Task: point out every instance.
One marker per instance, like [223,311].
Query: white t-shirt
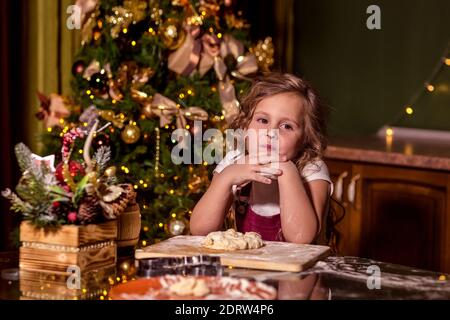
[316,170]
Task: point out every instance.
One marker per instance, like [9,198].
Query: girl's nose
[272,133]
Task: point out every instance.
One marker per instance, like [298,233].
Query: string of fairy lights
[429,86]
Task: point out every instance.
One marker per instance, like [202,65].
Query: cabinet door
[341,174]
[401,216]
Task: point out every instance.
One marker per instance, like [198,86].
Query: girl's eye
[287,126]
[262,120]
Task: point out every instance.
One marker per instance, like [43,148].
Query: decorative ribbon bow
[52,109]
[208,51]
[166,109]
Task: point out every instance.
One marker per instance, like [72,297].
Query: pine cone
[88,210]
[112,209]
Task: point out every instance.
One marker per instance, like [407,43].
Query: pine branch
[102,156]
[23,155]
[17,204]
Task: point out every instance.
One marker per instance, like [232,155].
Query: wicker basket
[129,226]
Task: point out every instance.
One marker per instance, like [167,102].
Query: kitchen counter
[405,152]
[333,278]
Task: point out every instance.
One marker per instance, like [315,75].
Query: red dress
[268,227]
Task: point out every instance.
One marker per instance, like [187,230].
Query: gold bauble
[177,227]
[130,134]
[110,171]
[172,33]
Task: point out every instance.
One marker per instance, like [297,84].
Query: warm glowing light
[389,132]
[430,87]
[409,110]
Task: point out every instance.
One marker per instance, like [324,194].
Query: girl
[292,203]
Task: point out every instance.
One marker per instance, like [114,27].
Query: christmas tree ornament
[137,8]
[141,76]
[140,96]
[116,119]
[48,161]
[132,11]
[53,109]
[75,170]
[185,59]
[86,7]
[147,110]
[110,171]
[130,133]
[87,29]
[99,81]
[114,91]
[210,7]
[78,68]
[172,33]
[91,69]
[89,116]
[177,227]
[264,52]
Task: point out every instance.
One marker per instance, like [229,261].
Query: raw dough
[190,287]
[233,240]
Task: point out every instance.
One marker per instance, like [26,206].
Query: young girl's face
[283,112]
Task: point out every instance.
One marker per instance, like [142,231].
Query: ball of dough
[232,240]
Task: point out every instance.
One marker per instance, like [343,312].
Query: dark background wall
[368,76]
[13,40]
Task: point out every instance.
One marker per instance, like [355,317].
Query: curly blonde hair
[315,113]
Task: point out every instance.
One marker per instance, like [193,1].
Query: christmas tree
[148,68]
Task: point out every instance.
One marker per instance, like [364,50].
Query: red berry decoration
[75,168]
[56,204]
[72,217]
